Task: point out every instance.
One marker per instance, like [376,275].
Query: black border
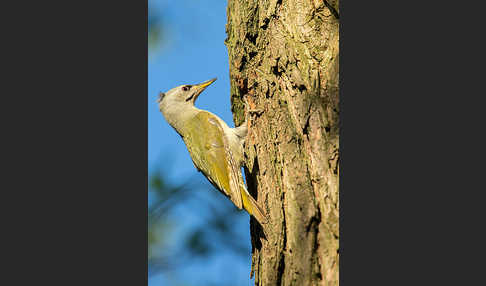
[76,168]
[410,124]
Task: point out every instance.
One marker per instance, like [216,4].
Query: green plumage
[210,152]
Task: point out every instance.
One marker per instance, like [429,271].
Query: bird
[216,149]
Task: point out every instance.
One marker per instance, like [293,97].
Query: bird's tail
[252,207]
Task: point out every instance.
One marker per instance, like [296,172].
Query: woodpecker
[216,149]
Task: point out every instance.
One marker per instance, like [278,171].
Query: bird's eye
[186,87]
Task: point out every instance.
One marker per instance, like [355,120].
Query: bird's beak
[200,87]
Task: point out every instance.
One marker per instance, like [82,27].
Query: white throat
[178,114]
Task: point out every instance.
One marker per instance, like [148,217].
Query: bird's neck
[178,117]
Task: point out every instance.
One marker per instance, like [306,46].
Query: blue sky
[192,51]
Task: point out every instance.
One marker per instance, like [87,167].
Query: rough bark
[284,58]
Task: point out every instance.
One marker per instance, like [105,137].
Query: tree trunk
[284,58]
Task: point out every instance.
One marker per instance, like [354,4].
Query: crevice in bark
[250,175]
[243,86]
[335,171]
[332,9]
[265,23]
[276,72]
[305,130]
[317,263]
[252,38]
[243,63]
[280,270]
[314,223]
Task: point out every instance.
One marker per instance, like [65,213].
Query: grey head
[177,103]
[183,94]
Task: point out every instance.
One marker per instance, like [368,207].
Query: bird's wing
[211,154]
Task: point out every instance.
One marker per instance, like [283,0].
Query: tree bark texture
[284,59]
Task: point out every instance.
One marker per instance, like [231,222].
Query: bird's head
[183,95]
[177,105]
